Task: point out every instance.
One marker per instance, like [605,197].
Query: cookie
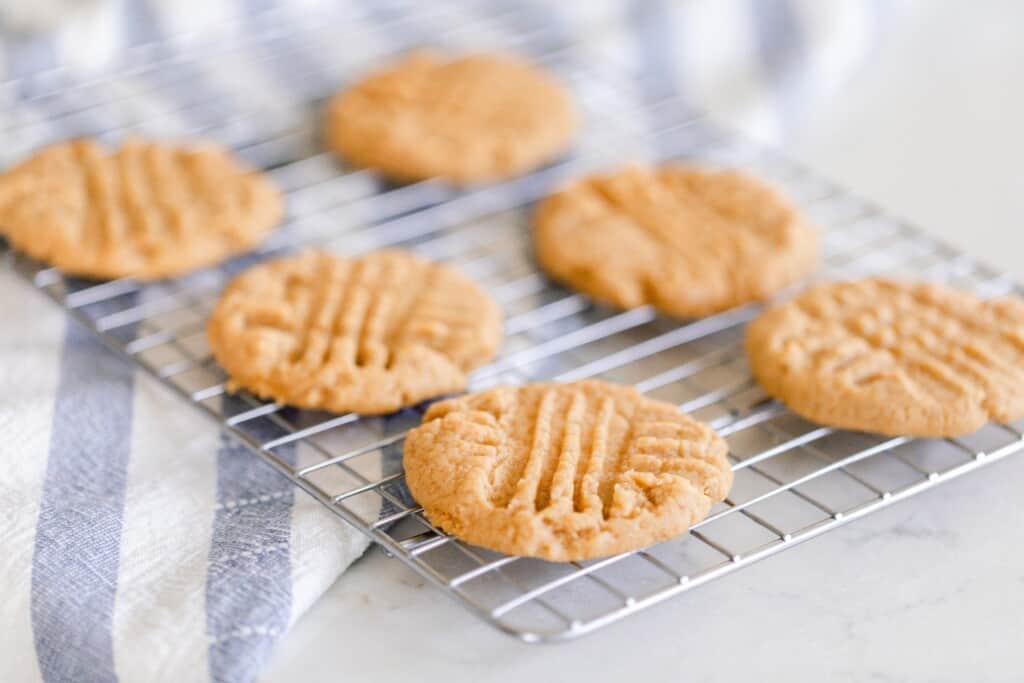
[368,335]
[898,358]
[689,241]
[147,210]
[564,471]
[476,118]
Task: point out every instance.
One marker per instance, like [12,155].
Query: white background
[931,589]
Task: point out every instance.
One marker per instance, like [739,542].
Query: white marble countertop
[929,589]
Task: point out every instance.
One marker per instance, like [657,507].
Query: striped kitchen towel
[141,545]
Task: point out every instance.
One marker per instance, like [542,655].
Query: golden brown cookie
[476,118]
[146,210]
[564,471]
[691,242]
[899,358]
[369,334]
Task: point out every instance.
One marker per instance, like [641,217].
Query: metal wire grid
[794,480]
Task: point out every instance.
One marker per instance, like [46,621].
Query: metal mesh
[794,479]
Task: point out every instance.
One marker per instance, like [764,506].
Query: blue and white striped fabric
[140,545]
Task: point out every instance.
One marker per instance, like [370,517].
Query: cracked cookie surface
[146,210]
[370,334]
[476,118]
[564,471]
[689,241]
[898,358]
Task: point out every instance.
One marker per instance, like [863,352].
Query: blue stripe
[557,33]
[253,8]
[782,49]
[28,55]
[653,32]
[249,583]
[140,24]
[382,13]
[78,534]
[652,28]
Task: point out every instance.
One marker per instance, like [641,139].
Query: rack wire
[794,480]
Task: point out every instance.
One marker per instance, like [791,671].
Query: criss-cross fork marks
[351,310]
[564,449]
[332,311]
[696,215]
[369,334]
[938,342]
[689,241]
[145,207]
[549,477]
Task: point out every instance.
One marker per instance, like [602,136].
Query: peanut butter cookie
[564,471]
[476,118]
[370,334]
[899,358]
[147,210]
[689,241]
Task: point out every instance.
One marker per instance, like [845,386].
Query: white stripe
[721,68]
[323,546]
[92,39]
[159,628]
[838,35]
[197,18]
[357,53]
[586,18]
[31,346]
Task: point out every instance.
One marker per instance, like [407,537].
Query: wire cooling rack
[794,480]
